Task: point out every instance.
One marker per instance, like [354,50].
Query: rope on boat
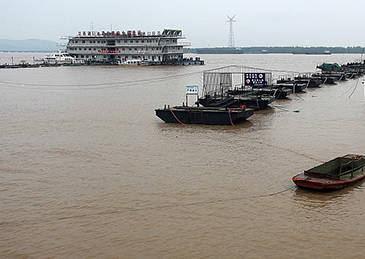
[118,84]
[357,82]
[171,206]
[176,118]
[230,117]
[292,151]
[280,108]
[354,89]
[298,96]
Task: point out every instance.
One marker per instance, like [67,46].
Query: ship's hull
[201,115]
[251,101]
[323,184]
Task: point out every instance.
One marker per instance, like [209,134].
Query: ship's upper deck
[166,33]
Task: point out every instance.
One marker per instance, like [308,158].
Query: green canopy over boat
[330,67]
[339,167]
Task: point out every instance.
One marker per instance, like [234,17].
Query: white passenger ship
[119,47]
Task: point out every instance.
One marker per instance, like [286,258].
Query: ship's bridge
[172,33]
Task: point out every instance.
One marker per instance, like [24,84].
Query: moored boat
[252,99]
[325,79]
[334,174]
[309,81]
[203,115]
[293,86]
[134,62]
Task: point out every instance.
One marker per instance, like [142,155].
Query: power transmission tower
[231,20]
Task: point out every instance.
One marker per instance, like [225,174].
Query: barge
[232,87]
[334,174]
[204,115]
[253,100]
[220,115]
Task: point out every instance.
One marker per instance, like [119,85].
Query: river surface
[88,170]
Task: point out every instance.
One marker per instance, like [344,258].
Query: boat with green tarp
[334,174]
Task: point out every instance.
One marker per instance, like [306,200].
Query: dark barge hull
[280,92]
[202,115]
[251,101]
[257,103]
[298,87]
[325,79]
[310,82]
[277,91]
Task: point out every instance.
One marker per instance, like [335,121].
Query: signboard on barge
[255,79]
[191,90]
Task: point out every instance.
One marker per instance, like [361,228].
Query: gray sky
[259,22]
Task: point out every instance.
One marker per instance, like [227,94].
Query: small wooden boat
[334,174]
[203,115]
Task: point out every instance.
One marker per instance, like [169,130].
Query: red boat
[334,174]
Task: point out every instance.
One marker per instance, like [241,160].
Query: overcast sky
[259,22]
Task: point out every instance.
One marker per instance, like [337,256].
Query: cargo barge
[204,115]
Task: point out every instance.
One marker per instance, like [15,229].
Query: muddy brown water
[88,170]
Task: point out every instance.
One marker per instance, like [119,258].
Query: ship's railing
[125,52]
[127,45]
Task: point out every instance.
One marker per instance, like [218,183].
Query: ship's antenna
[92,26]
[231,20]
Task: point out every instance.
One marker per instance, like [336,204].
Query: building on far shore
[121,46]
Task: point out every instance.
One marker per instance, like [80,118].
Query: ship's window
[131,41]
[135,48]
[142,41]
[130,49]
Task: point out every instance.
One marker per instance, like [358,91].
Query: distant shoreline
[278,50]
[27,51]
